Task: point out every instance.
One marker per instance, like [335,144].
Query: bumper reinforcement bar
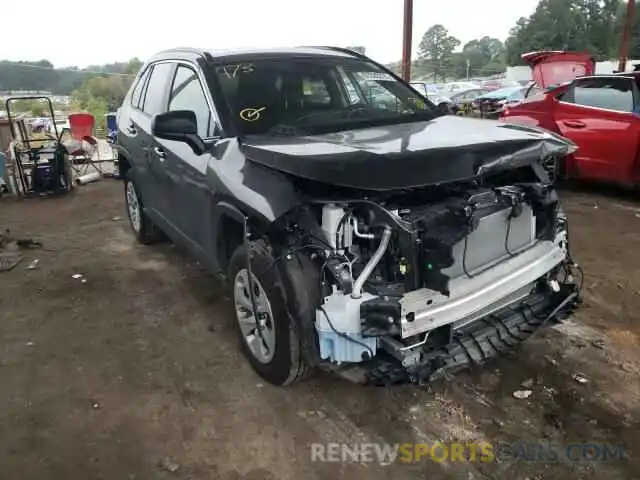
[481,340]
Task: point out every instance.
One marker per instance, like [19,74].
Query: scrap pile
[10,250]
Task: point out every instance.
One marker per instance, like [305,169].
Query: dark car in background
[462,102]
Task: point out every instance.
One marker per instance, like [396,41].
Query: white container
[88,178]
[343,314]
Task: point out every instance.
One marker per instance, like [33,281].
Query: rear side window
[138,89]
[610,93]
[155,96]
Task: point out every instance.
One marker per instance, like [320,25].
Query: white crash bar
[431,309]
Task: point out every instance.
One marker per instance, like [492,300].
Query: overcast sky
[75,32]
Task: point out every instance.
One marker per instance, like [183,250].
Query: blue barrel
[110,119]
[4,187]
[112,127]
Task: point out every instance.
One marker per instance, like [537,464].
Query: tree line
[97,89]
[42,75]
[594,26]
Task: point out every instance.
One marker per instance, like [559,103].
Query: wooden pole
[626,35]
[407,36]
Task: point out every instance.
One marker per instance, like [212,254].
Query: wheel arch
[232,227]
[124,165]
[299,277]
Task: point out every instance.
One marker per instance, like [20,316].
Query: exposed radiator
[492,241]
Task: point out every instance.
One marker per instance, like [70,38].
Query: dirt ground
[135,373]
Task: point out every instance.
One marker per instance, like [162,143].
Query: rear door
[597,114]
[130,139]
[160,187]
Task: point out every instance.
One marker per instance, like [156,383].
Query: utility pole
[626,35]
[468,67]
[407,36]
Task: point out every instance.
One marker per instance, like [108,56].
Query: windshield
[517,95]
[316,95]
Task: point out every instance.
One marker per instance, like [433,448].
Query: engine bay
[406,273]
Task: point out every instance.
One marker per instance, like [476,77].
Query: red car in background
[596,112]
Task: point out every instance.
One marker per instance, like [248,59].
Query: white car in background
[431,91]
[452,87]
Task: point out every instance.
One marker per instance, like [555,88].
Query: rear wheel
[143,228]
[268,339]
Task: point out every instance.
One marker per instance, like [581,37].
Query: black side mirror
[180,126]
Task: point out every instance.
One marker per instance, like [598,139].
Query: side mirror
[180,126]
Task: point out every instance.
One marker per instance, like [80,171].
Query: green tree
[483,56]
[111,89]
[101,94]
[634,43]
[42,75]
[582,25]
[436,49]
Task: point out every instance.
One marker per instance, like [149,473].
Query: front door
[193,197]
[596,113]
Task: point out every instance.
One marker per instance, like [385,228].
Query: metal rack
[43,169]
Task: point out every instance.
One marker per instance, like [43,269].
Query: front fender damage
[389,289]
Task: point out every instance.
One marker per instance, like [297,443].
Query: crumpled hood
[445,149]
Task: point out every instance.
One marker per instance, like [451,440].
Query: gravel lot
[136,374]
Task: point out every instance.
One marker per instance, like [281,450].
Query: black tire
[148,233]
[288,364]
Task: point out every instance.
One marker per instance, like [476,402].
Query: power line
[70,70]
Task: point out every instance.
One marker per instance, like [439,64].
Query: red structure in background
[81,125]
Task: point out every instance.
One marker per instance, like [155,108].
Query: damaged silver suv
[359,228]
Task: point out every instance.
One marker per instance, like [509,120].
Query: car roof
[231,55]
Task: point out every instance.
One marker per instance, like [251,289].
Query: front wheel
[268,338]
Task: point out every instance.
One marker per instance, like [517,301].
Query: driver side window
[187,93]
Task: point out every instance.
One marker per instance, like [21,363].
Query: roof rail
[338,49]
[198,51]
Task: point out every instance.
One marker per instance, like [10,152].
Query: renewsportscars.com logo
[386,454]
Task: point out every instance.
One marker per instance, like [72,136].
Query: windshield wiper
[286,130]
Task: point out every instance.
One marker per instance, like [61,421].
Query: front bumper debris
[488,337]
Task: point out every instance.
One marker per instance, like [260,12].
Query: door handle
[574,123]
[160,153]
[131,129]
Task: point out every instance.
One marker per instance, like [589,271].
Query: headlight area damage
[410,284]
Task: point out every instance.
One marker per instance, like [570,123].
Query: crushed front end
[423,281]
